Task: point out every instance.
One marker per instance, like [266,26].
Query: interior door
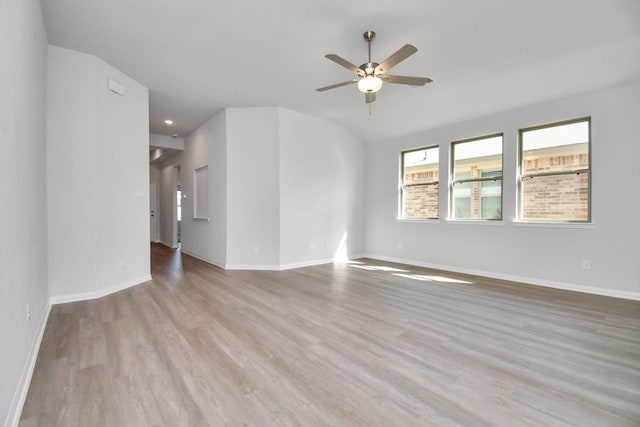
[152,211]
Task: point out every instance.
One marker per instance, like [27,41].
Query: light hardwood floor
[371,344]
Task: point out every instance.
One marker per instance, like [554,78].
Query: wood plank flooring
[363,344]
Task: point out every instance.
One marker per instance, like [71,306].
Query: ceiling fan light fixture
[369,84]
[367,74]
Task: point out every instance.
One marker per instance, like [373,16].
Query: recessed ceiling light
[169,122]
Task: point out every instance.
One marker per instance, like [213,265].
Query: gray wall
[23,240]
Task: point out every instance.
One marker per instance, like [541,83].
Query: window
[419,187]
[476,187]
[555,173]
[179,205]
[201,193]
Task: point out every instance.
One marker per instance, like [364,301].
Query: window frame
[452,181]
[520,175]
[402,185]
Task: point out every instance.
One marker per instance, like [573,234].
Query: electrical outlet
[255,249]
[586,264]
[399,245]
[28,313]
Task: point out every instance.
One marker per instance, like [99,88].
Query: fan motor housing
[369,68]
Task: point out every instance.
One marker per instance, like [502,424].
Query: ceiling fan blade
[348,82]
[401,54]
[346,64]
[406,80]
[369,97]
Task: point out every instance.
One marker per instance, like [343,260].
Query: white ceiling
[200,56]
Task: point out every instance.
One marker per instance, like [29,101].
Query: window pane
[462,207]
[556,148]
[556,159]
[477,200]
[462,200]
[470,158]
[547,192]
[491,188]
[420,201]
[556,198]
[420,167]
[558,135]
[477,160]
[491,207]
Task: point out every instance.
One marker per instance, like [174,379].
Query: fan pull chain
[370,112]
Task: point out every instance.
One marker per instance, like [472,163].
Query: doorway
[178,198]
[179,214]
[153,217]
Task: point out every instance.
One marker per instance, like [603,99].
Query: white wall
[163,141]
[71,153]
[23,240]
[154,173]
[122,180]
[252,188]
[284,189]
[97,177]
[206,146]
[321,189]
[540,255]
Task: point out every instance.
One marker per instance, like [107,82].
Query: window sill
[490,222]
[418,220]
[583,225]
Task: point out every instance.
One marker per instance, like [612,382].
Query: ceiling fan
[371,75]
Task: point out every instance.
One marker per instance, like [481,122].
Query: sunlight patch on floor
[428,278]
[379,268]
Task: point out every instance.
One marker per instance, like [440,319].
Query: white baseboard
[201,258]
[277,267]
[260,267]
[305,264]
[162,242]
[282,267]
[268,267]
[513,278]
[15,410]
[61,299]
